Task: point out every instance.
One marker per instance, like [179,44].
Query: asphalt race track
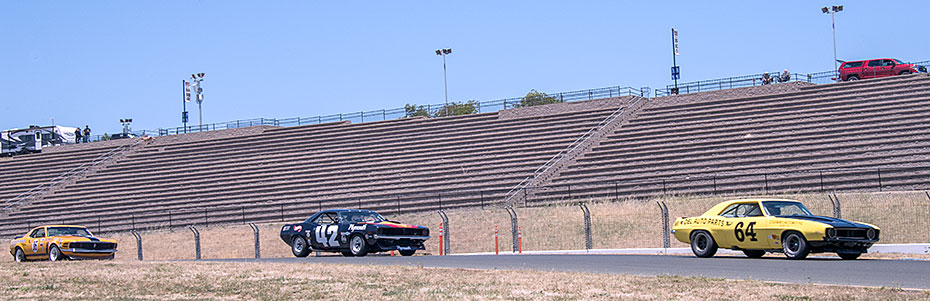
[874,272]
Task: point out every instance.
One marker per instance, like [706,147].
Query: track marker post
[497,250]
[440,240]
[519,240]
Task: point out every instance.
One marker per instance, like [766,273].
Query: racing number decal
[326,235]
[750,231]
[35,246]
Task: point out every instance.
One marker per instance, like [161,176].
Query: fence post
[715,184]
[514,225]
[765,187]
[666,240]
[587,226]
[169,219]
[196,241]
[138,243]
[282,212]
[206,219]
[258,249]
[617,190]
[837,210]
[445,223]
[398,206]
[821,181]
[879,180]
[524,196]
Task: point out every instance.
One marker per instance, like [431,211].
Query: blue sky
[94,62]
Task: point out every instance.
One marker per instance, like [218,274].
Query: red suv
[854,70]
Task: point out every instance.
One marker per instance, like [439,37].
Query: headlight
[870,234]
[831,233]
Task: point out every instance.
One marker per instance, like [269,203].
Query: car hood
[390,224]
[69,238]
[832,221]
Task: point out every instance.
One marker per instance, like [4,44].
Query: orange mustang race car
[56,242]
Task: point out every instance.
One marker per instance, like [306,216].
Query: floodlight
[837,8]
[438,52]
[825,9]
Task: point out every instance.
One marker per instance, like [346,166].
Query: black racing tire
[19,255]
[703,244]
[347,254]
[407,252]
[849,255]
[754,253]
[358,246]
[852,77]
[795,245]
[905,72]
[54,253]
[299,246]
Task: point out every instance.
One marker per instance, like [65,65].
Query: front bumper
[842,245]
[397,242]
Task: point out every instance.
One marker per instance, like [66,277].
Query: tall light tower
[832,11]
[443,52]
[196,81]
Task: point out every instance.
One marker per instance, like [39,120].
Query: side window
[875,63]
[38,233]
[853,65]
[887,63]
[730,211]
[326,218]
[748,210]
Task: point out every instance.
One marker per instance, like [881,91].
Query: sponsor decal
[706,221]
[298,228]
[357,227]
[284,228]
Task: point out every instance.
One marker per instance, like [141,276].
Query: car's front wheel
[54,253]
[358,246]
[703,244]
[407,252]
[19,255]
[299,247]
[849,256]
[905,72]
[754,253]
[795,246]
[347,254]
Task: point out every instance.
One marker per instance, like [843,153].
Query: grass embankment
[91,280]
[903,217]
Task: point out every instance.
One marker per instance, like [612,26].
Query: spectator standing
[784,77]
[86,133]
[77,135]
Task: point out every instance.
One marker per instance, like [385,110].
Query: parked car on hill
[57,242]
[353,233]
[855,70]
[757,226]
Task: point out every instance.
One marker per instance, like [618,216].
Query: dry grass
[92,280]
[903,217]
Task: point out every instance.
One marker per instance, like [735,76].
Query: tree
[457,108]
[415,110]
[536,98]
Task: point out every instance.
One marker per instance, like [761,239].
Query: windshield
[68,231]
[785,208]
[356,217]
[898,61]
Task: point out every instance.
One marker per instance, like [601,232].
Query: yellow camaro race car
[757,226]
[56,242]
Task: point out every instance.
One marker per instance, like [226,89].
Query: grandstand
[795,136]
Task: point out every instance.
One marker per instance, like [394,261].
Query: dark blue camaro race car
[353,233]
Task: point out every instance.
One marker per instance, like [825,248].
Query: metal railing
[571,151]
[752,80]
[79,170]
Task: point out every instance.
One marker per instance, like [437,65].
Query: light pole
[832,11]
[443,52]
[196,80]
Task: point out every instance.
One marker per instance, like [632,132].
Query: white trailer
[34,138]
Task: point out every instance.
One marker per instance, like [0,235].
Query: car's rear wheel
[358,246]
[19,255]
[702,244]
[54,253]
[299,247]
[407,252]
[754,253]
[852,77]
[795,246]
[849,255]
